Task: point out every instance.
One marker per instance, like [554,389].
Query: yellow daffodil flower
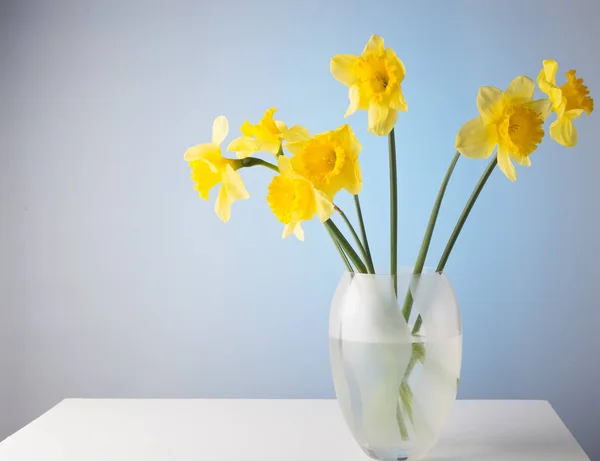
[511,120]
[294,199]
[266,136]
[568,101]
[374,81]
[329,161]
[210,168]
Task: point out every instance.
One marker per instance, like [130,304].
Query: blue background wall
[117,281]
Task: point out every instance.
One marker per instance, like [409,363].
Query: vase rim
[403,271]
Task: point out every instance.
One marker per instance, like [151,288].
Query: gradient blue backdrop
[117,281]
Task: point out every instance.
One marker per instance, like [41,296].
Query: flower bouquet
[395,338]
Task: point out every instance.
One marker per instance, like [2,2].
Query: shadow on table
[465,446]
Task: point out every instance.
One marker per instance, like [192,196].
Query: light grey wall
[116,281]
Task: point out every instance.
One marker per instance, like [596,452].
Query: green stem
[352,255]
[363,233]
[356,238]
[252,161]
[420,263]
[393,209]
[465,214]
[339,248]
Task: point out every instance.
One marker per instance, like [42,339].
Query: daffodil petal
[220,130]
[563,131]
[354,96]
[293,228]
[521,160]
[249,130]
[270,146]
[268,121]
[350,140]
[381,119]
[489,103]
[550,67]
[243,146]
[520,90]
[397,101]
[298,232]
[542,107]
[574,114]
[284,165]
[296,147]
[324,206]
[223,205]
[391,55]
[233,183]
[505,164]
[281,126]
[296,133]
[354,185]
[374,45]
[475,139]
[341,67]
[199,151]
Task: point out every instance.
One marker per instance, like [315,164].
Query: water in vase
[396,396]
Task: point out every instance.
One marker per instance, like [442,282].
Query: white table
[273,430]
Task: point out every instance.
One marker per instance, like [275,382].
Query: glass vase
[395,374]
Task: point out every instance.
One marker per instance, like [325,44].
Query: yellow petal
[298,232]
[475,139]
[559,101]
[542,107]
[205,176]
[281,126]
[342,66]
[521,160]
[391,56]
[489,103]
[268,122]
[296,147]
[284,165]
[520,90]
[505,164]
[397,100]
[270,146]
[353,183]
[223,205]
[354,96]
[295,228]
[563,131]
[199,151]
[220,130]
[324,207]
[550,66]
[296,133]
[351,144]
[250,130]
[243,146]
[381,119]
[233,183]
[374,45]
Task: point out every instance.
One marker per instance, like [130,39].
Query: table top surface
[273,430]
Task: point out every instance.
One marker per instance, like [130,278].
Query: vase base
[385,455]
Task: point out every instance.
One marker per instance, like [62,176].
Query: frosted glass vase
[395,384]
